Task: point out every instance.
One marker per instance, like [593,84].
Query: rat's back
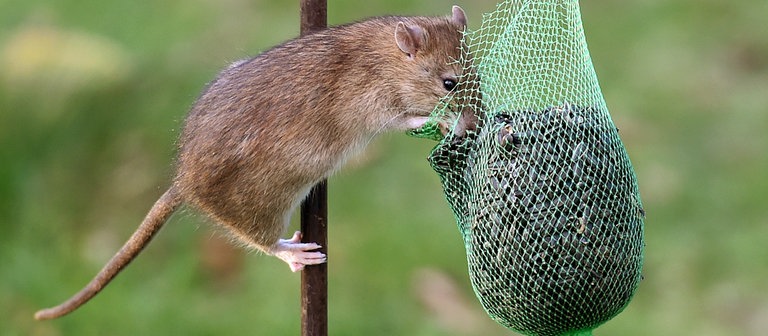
[262,132]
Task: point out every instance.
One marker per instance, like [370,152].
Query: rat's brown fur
[253,146]
[269,128]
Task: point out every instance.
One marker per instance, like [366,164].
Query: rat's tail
[157,216]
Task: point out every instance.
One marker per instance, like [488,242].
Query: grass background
[92,96]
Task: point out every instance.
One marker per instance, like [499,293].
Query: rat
[269,128]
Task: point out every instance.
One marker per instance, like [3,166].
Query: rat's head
[428,52]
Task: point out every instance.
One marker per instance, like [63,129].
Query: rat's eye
[449,84]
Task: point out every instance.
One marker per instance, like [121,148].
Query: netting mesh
[542,188]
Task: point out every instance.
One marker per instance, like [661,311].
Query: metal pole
[314,278]
[314,214]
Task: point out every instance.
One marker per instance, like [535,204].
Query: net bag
[533,167]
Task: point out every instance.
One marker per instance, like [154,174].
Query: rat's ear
[410,39]
[458,17]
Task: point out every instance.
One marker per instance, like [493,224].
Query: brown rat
[269,128]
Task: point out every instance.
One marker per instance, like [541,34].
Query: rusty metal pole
[314,278]
[314,214]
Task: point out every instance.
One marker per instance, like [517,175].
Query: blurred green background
[93,93]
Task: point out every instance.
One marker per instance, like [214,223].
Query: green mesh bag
[533,167]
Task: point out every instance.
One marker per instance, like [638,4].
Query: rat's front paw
[297,254]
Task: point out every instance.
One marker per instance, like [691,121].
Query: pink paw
[296,253]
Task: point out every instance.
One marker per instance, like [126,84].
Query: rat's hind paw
[296,253]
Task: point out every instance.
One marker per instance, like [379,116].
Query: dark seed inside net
[547,204]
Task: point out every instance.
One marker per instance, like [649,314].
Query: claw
[297,254]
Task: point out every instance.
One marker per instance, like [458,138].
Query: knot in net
[533,167]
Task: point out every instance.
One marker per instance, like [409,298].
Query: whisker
[388,122]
